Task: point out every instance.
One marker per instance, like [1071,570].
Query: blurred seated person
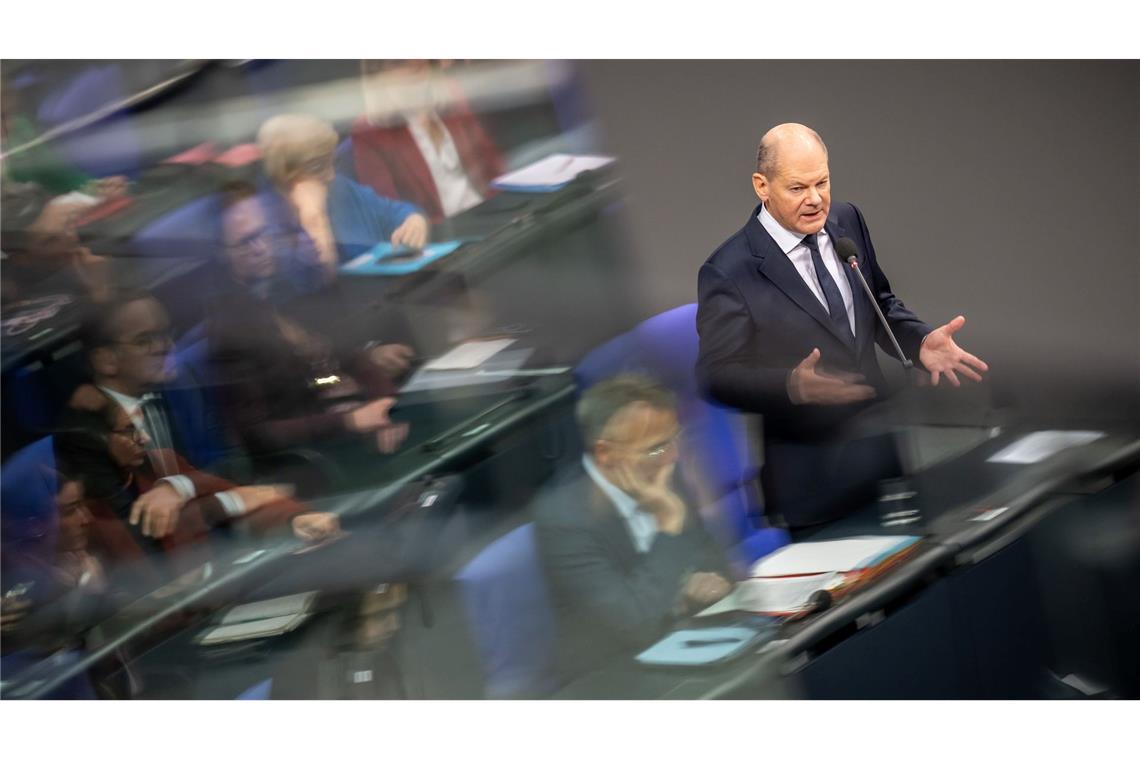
[54,586]
[128,346]
[140,516]
[420,141]
[269,365]
[621,543]
[325,219]
[46,553]
[42,253]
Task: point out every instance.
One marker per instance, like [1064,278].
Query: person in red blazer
[417,132]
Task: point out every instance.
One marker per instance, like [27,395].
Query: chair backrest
[108,147]
[507,603]
[664,347]
[28,487]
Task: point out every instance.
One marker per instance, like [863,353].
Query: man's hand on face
[654,496]
[807,384]
[703,589]
[157,510]
[940,355]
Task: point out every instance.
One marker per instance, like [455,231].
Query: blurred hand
[940,355]
[413,233]
[656,496]
[393,358]
[110,188]
[256,497]
[807,384]
[370,416]
[703,589]
[13,609]
[316,526]
[388,439]
[157,510]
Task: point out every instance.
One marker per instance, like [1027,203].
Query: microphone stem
[854,264]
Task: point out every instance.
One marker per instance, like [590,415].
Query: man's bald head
[783,139]
[792,179]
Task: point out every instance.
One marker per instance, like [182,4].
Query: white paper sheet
[468,355]
[828,556]
[773,595]
[1042,445]
[557,169]
[270,608]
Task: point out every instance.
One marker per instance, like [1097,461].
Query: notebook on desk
[270,617]
[783,582]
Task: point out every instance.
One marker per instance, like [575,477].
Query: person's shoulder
[563,500]
[846,213]
[732,253]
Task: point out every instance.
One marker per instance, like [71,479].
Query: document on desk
[841,556]
[1043,444]
[773,596]
[549,174]
[468,355]
[499,367]
[269,617]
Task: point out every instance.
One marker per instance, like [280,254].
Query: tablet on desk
[384,260]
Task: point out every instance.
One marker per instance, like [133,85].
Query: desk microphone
[848,252]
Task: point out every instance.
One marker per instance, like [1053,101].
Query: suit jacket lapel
[777,267]
[611,525]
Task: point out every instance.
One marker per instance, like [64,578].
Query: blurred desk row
[974,614]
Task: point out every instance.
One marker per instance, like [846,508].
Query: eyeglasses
[262,239]
[657,451]
[129,431]
[149,342]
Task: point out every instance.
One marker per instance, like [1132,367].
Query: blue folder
[374,262]
[704,646]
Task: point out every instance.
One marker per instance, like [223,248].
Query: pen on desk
[710,642]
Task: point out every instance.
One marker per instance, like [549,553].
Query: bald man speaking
[787,331]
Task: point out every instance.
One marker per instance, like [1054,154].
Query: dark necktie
[161,443]
[835,306]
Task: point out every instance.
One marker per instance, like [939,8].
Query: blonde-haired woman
[328,219]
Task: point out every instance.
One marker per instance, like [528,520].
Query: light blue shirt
[642,525]
[792,244]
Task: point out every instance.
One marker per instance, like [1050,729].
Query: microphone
[847,251]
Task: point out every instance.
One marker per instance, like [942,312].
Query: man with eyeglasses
[622,546]
[128,345]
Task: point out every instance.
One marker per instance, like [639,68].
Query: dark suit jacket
[757,320]
[608,598]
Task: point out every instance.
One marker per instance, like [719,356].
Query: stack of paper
[783,582]
[270,617]
[549,174]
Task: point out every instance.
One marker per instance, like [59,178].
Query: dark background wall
[1005,190]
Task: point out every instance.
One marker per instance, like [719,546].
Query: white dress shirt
[642,525]
[231,501]
[456,193]
[791,243]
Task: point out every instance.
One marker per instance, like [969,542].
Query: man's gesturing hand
[940,355]
[807,384]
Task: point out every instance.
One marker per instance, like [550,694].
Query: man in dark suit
[787,331]
[623,549]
